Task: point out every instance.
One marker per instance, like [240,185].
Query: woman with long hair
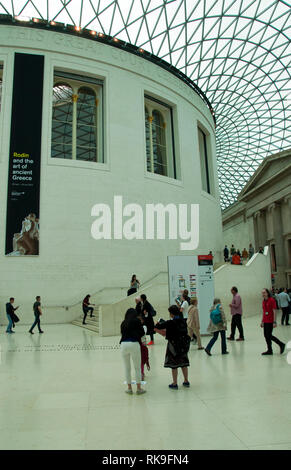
[131,334]
[134,285]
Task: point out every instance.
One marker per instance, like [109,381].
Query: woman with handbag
[178,345]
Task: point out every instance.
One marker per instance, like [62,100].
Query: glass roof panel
[237,52]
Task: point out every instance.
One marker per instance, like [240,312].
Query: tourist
[251,251]
[236,313]
[146,310]
[10,313]
[37,313]
[269,322]
[134,285]
[193,323]
[186,295]
[261,250]
[217,325]
[87,308]
[184,306]
[232,250]
[283,303]
[131,334]
[143,349]
[178,345]
[245,255]
[236,259]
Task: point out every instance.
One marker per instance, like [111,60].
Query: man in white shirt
[283,300]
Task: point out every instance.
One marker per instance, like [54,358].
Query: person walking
[236,313]
[283,303]
[178,345]
[269,322]
[131,333]
[37,313]
[217,325]
[9,312]
[87,308]
[193,323]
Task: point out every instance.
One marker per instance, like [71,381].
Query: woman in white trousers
[131,333]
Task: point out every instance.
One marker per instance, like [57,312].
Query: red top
[269,306]
[236,259]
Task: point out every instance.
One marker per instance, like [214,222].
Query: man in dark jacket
[9,311]
[148,313]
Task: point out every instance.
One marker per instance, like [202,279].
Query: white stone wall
[71,263]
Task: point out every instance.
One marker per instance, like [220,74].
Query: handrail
[101,290]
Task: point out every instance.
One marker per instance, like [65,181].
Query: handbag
[14,317]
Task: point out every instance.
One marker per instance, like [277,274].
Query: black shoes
[282,348]
[267,353]
[41,331]
[207,352]
[225,352]
[31,332]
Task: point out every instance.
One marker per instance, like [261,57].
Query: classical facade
[262,215]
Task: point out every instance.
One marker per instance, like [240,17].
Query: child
[144,350]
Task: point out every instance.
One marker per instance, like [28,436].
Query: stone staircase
[91,323]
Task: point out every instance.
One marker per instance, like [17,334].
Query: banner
[22,216]
[194,273]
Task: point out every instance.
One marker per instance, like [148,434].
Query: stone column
[261,229]
[256,235]
[270,227]
[278,235]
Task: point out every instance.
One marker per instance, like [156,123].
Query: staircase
[91,323]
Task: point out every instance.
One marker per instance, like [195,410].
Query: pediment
[270,168]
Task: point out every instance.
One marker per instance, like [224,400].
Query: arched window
[148,140]
[86,146]
[62,121]
[205,161]
[77,123]
[159,138]
[159,143]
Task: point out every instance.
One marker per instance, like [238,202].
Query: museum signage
[22,217]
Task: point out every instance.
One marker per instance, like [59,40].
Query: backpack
[182,343]
[215,315]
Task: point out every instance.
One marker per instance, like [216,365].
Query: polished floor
[65,390]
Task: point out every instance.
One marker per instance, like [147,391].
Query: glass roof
[237,51]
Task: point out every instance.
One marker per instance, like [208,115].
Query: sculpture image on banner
[26,242]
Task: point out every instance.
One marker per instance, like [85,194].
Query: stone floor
[65,390]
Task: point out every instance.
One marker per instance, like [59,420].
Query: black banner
[22,219]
